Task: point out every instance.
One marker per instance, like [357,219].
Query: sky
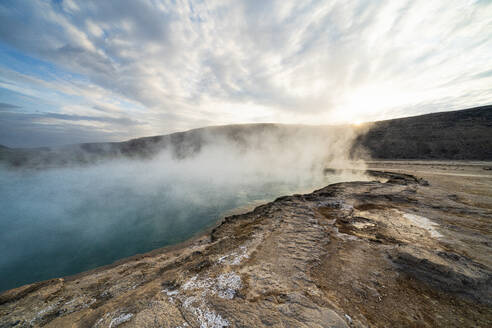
[85,71]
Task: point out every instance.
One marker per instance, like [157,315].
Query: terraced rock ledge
[387,253]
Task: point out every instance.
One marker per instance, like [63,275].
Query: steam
[64,220]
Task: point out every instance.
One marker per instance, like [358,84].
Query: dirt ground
[472,179]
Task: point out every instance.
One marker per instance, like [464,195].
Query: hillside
[180,145]
[457,135]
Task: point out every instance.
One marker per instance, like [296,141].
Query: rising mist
[69,218]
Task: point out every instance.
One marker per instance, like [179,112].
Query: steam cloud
[64,220]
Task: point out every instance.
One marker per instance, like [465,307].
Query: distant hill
[456,135]
[180,145]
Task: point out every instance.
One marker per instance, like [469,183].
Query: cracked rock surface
[387,253]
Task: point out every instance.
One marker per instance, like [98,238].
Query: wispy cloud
[5,106]
[172,65]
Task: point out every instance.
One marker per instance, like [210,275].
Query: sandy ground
[471,179]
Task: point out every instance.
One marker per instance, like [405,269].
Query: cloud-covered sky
[77,71]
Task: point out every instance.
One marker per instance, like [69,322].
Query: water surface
[59,222]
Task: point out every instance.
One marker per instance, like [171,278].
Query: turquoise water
[60,222]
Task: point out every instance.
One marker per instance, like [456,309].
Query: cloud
[5,106]
[41,129]
[119,120]
[189,63]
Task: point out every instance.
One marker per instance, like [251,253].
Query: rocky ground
[402,250]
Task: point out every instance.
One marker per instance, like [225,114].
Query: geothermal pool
[58,222]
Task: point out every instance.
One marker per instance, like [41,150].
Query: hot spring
[61,221]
